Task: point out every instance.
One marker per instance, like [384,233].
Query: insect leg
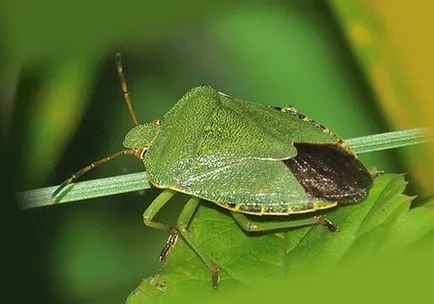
[249,225]
[154,207]
[170,243]
[183,221]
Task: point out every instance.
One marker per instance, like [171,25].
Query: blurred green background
[348,64]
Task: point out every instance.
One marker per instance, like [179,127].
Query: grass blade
[390,140]
[84,190]
[138,181]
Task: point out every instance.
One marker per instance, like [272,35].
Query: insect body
[243,156]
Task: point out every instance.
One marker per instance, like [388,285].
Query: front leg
[154,207]
[170,243]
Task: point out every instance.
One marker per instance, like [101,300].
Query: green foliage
[273,52]
[380,227]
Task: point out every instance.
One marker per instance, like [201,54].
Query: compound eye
[140,154]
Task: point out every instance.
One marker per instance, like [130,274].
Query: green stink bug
[243,156]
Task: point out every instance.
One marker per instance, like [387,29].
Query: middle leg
[182,225]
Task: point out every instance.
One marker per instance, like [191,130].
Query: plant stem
[84,190]
[138,181]
[389,140]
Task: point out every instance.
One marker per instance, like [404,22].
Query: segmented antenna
[124,87]
[100,162]
[90,167]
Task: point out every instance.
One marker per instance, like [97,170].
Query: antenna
[124,87]
[90,167]
[138,153]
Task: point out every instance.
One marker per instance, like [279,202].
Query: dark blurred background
[359,67]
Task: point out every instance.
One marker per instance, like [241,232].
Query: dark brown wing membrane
[330,172]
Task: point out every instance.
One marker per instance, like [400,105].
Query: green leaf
[381,225]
